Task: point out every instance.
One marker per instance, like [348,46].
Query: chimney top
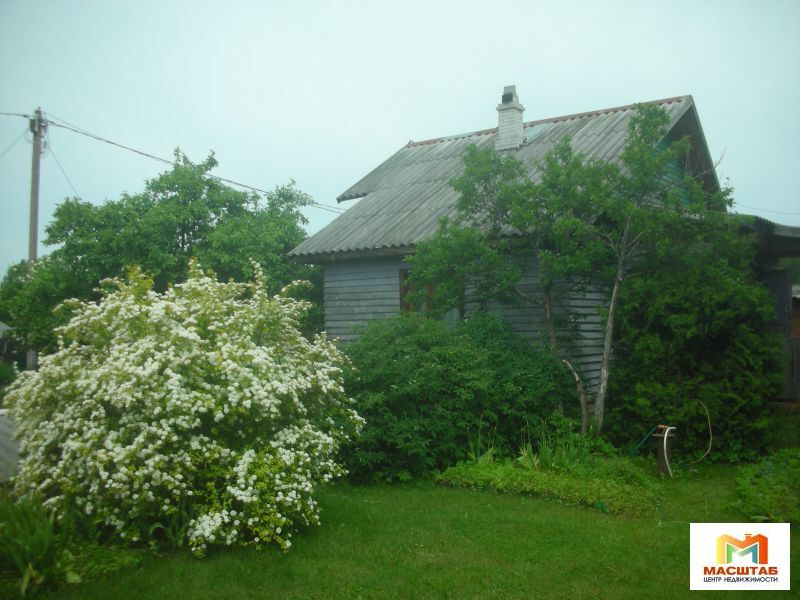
[509,94]
[509,130]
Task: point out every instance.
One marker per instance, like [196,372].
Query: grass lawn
[423,541]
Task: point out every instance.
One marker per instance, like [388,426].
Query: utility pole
[38,126]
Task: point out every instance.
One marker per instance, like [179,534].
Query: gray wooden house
[402,199]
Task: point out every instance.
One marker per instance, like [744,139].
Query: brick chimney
[509,131]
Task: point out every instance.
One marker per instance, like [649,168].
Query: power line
[50,146]
[107,141]
[13,114]
[779,212]
[14,143]
[65,125]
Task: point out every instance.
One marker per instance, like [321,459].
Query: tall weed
[31,545]
[559,447]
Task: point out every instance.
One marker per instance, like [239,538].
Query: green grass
[423,541]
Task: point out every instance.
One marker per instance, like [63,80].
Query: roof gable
[406,195]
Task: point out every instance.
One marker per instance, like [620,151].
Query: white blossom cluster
[204,396]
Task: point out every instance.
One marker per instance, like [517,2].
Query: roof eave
[321,258]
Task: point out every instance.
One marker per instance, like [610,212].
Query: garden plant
[431,392]
[200,414]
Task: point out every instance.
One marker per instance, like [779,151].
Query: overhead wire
[65,125]
[779,212]
[14,143]
[63,172]
[72,127]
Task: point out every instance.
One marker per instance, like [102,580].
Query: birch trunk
[581,397]
[608,341]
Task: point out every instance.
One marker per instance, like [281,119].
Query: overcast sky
[322,92]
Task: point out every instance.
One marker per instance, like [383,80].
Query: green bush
[699,332]
[609,484]
[769,490]
[427,390]
[6,373]
[527,381]
[199,415]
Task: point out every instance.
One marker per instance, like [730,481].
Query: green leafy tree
[182,213]
[503,220]
[587,222]
[793,266]
[697,338]
[28,298]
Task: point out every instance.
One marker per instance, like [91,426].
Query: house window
[407,287]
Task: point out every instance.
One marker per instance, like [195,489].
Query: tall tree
[502,221]
[587,222]
[182,213]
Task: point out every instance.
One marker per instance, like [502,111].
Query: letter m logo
[753,545]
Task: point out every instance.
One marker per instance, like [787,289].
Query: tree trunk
[608,341]
[581,396]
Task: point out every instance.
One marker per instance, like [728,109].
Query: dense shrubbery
[769,490]
[698,331]
[200,413]
[427,390]
[6,373]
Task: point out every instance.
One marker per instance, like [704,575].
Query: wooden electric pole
[38,126]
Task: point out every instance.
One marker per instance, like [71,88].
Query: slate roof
[404,197]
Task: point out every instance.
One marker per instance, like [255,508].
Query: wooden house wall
[358,291]
[585,349]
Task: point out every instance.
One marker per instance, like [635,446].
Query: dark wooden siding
[357,292]
[585,350]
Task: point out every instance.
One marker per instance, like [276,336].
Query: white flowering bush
[201,411]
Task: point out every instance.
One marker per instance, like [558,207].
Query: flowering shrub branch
[206,396]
